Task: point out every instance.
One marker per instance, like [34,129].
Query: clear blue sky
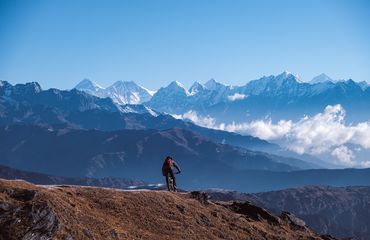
[58,43]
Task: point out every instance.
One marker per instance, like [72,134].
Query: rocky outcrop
[23,216]
[68,213]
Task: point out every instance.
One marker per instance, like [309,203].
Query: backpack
[167,166]
[170,162]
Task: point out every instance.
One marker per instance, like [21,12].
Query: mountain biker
[167,170]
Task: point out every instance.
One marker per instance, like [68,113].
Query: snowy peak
[20,89]
[88,86]
[321,79]
[27,88]
[196,87]
[176,87]
[363,85]
[121,92]
[285,74]
[128,92]
[176,84]
[288,75]
[124,84]
[214,85]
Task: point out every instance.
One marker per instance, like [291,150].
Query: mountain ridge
[80,110]
[95,213]
[138,154]
[340,211]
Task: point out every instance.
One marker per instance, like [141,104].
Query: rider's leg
[173,179]
[168,185]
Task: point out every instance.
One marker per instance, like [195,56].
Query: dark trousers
[170,174]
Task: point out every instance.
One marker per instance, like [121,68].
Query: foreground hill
[34,212]
[341,211]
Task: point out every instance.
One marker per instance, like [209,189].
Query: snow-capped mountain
[363,85]
[280,96]
[121,92]
[171,99]
[196,87]
[176,99]
[285,83]
[283,96]
[128,93]
[321,79]
[90,87]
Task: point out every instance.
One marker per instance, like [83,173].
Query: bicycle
[170,183]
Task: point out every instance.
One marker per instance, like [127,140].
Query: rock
[181,209]
[88,234]
[26,219]
[68,237]
[254,212]
[44,223]
[202,197]
[293,221]
[4,207]
[20,194]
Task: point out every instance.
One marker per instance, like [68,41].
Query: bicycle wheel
[170,185]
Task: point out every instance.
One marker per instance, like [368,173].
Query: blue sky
[58,43]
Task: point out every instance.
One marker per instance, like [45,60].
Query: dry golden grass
[97,213]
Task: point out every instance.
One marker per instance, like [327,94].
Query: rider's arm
[176,166]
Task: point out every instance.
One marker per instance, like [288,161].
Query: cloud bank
[236,96]
[323,133]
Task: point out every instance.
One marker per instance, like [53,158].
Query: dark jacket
[168,167]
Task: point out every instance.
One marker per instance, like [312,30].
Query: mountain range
[53,117]
[133,154]
[29,104]
[280,97]
[121,92]
[138,154]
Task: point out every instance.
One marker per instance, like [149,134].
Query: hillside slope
[134,154]
[33,212]
[341,211]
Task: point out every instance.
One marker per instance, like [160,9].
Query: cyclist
[167,170]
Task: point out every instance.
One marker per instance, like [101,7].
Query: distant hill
[44,179]
[340,211]
[134,154]
[138,154]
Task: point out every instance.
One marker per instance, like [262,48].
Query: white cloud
[344,155]
[201,121]
[323,133]
[236,96]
